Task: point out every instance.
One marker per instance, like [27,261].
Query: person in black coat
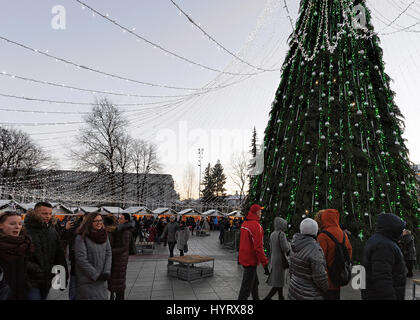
[4,287]
[15,247]
[408,248]
[68,234]
[48,251]
[384,261]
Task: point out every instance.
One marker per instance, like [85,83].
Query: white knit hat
[309,226]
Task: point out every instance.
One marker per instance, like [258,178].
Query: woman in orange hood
[330,221]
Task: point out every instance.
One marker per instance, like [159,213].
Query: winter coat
[69,236]
[170,230]
[120,242]
[308,274]
[330,220]
[278,246]
[92,260]
[408,247]
[48,251]
[14,252]
[384,261]
[182,236]
[4,287]
[251,251]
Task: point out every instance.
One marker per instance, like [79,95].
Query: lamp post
[200,156]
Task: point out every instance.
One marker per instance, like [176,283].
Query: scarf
[11,248]
[98,236]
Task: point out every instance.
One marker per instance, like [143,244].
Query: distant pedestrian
[93,259]
[181,237]
[15,248]
[169,234]
[331,233]
[222,229]
[251,253]
[408,248]
[48,250]
[308,268]
[279,248]
[384,261]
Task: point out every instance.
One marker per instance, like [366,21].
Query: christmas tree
[334,136]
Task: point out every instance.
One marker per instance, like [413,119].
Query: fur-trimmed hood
[33,220]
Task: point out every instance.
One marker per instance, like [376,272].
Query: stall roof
[137,210]
[236,214]
[213,213]
[112,209]
[11,205]
[189,212]
[89,209]
[160,211]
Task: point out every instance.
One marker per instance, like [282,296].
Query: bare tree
[239,171]
[123,159]
[188,182]
[144,160]
[99,139]
[19,153]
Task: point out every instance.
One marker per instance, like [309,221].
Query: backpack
[340,270]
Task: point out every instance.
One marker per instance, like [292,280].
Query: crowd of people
[94,251]
[92,248]
[318,259]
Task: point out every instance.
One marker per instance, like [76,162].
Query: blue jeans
[38,293]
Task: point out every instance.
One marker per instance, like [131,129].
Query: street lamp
[200,156]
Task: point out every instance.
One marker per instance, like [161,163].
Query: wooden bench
[416,282]
[185,269]
[146,245]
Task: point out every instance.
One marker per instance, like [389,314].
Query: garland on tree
[334,136]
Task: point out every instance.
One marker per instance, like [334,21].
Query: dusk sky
[219,121]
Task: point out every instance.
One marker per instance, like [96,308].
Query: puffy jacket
[384,261]
[251,251]
[69,237]
[308,274]
[48,251]
[120,242]
[330,221]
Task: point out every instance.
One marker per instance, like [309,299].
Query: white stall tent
[213,213]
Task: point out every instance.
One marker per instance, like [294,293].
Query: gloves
[266,271]
[103,277]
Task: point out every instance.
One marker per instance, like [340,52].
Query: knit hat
[309,226]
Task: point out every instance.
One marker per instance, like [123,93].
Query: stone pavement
[147,277]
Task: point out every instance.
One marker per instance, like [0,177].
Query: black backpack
[340,270]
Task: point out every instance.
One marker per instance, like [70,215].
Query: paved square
[147,277]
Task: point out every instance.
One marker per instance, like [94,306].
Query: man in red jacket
[251,253]
[330,221]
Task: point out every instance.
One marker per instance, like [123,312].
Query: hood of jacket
[252,216]
[300,241]
[34,220]
[390,225]
[330,218]
[280,224]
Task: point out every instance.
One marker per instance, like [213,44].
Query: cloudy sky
[171,60]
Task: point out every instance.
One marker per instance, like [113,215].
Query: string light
[155,45]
